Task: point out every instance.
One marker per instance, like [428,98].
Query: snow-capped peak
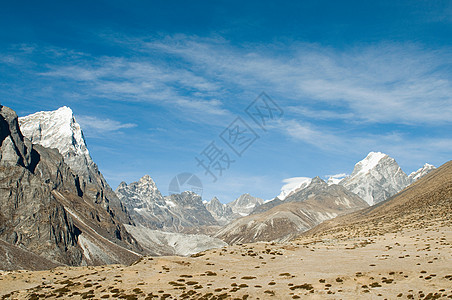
[368,163]
[376,178]
[147,180]
[293,184]
[59,129]
[147,185]
[244,204]
[427,168]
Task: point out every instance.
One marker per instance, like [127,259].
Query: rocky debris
[158,243]
[44,210]
[376,178]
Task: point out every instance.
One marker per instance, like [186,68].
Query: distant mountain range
[222,213]
[171,213]
[375,178]
[427,202]
[179,212]
[302,210]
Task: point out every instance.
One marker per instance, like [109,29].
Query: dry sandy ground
[414,264]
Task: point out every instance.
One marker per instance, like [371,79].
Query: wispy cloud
[382,83]
[308,133]
[98,125]
[373,83]
[132,79]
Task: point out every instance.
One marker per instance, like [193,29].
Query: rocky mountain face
[376,178]
[245,204]
[316,187]
[416,175]
[45,210]
[145,203]
[222,213]
[174,213]
[58,129]
[157,242]
[281,220]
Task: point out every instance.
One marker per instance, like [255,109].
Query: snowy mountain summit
[245,204]
[221,212]
[416,175]
[59,129]
[376,178]
[141,194]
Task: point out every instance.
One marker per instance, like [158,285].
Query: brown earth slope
[13,258]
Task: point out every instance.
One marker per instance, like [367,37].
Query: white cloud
[129,79]
[380,83]
[398,83]
[212,107]
[291,184]
[308,133]
[98,125]
[336,178]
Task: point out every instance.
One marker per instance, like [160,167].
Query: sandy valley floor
[414,264]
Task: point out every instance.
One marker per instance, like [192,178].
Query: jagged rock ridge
[221,212]
[171,213]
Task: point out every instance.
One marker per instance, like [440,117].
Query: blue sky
[153,84]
